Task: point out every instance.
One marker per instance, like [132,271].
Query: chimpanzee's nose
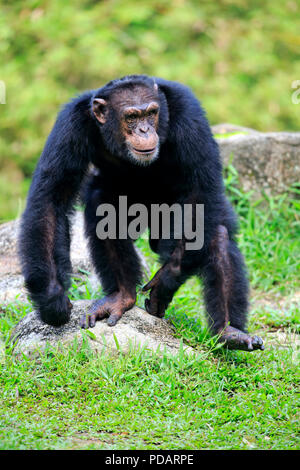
[144,128]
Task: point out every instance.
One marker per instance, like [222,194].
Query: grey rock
[11,280]
[80,257]
[267,162]
[135,329]
[227,128]
[9,262]
[8,238]
[12,288]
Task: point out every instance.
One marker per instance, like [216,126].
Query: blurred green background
[240,58]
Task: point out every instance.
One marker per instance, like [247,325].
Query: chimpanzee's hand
[112,306]
[162,288]
[56,310]
[165,283]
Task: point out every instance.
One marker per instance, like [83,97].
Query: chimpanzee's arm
[44,241]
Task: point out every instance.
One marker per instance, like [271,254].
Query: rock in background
[265,161]
[11,280]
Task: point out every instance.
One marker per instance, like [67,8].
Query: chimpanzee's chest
[156,183]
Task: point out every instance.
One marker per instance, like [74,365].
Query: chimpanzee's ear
[100,109]
[155,86]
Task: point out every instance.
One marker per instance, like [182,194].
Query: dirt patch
[283,339]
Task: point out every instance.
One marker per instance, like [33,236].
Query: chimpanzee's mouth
[144,152]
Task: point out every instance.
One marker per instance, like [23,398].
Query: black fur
[188,169]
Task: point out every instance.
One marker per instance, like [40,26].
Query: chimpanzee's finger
[149,285]
[151,306]
[114,318]
[92,320]
[84,321]
[153,282]
[257,343]
[161,309]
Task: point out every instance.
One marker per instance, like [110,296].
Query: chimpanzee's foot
[112,306]
[236,339]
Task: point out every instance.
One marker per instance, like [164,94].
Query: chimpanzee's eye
[153,112]
[131,117]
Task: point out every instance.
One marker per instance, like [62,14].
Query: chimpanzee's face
[137,111]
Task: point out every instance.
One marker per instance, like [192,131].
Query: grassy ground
[215,400]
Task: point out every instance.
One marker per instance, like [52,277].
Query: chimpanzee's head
[128,112]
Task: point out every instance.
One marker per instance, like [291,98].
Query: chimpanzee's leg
[226,293]
[116,263]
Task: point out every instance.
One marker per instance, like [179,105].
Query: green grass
[75,399]
[216,400]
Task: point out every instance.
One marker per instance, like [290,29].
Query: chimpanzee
[146,138]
